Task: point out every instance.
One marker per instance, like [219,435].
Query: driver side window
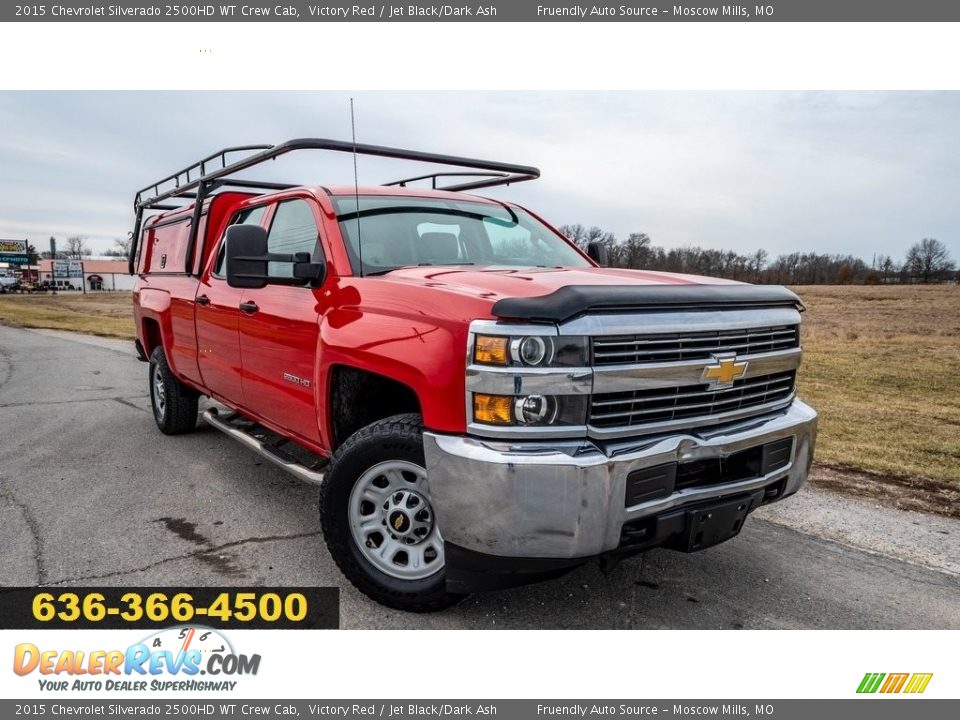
[293,230]
[250,216]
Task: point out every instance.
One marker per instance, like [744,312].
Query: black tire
[395,438]
[176,412]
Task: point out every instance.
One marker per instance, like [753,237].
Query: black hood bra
[572,301]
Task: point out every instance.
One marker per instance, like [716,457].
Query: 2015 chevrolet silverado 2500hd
[482,403]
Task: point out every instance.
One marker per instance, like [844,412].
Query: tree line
[927,261]
[76,247]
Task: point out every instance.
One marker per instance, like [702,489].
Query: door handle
[249,307]
[203,300]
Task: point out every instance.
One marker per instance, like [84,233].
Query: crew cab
[481,402]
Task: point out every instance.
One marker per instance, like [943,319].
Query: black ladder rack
[197,181]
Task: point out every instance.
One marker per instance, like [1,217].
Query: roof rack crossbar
[183,179]
[433,178]
[201,179]
[232,183]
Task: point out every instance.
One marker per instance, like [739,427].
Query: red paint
[409,325]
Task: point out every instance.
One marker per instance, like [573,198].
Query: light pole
[53,264]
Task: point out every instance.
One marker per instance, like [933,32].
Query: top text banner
[497,11]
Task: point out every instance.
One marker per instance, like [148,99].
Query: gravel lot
[92,494]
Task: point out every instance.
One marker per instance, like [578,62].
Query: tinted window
[293,230]
[250,216]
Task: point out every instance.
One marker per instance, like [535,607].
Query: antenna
[356,186]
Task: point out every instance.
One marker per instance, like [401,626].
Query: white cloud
[831,172]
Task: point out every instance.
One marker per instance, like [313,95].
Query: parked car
[482,403]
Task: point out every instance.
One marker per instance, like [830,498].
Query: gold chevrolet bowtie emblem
[725,371]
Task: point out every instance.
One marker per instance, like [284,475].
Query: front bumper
[566,500]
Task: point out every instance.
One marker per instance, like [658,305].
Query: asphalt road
[92,494]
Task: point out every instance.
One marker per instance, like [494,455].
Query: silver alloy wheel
[159,393]
[392,521]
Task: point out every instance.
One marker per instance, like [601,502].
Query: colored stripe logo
[913,683]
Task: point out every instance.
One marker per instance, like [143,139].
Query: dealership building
[98,276]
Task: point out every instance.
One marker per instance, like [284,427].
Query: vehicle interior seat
[439,247]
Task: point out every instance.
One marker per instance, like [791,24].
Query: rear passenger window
[250,216]
[293,230]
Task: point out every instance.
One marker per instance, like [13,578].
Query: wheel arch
[150,335]
[357,397]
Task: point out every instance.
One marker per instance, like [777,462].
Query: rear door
[279,328]
[217,318]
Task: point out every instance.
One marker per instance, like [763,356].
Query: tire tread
[400,431]
[182,402]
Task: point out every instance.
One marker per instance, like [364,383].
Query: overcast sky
[859,173]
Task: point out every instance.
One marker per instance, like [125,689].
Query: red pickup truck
[482,403]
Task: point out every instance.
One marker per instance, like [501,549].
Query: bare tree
[582,237]
[77,246]
[635,251]
[928,259]
[887,267]
[122,245]
[758,263]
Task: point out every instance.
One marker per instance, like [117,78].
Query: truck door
[279,328]
[217,318]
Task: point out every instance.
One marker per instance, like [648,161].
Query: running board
[274,454]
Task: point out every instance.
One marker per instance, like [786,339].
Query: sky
[858,173]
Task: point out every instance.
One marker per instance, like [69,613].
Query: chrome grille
[638,349]
[644,407]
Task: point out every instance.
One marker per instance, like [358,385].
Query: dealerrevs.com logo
[181,658]
[911,683]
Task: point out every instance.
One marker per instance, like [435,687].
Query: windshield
[398,232]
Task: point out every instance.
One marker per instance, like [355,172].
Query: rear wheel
[174,404]
[378,521]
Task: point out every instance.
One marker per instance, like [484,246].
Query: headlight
[530,351]
[535,410]
[529,410]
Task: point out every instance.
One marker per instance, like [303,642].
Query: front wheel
[174,404]
[378,521]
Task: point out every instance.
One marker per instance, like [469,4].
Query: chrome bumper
[565,499]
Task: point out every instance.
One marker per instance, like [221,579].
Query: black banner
[116,608]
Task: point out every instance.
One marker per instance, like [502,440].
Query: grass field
[882,365]
[110,315]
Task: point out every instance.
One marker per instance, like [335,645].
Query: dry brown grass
[110,315]
[882,365]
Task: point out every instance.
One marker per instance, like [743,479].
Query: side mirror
[246,250]
[598,253]
[306,272]
[248,261]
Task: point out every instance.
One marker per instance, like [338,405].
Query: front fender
[425,354]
